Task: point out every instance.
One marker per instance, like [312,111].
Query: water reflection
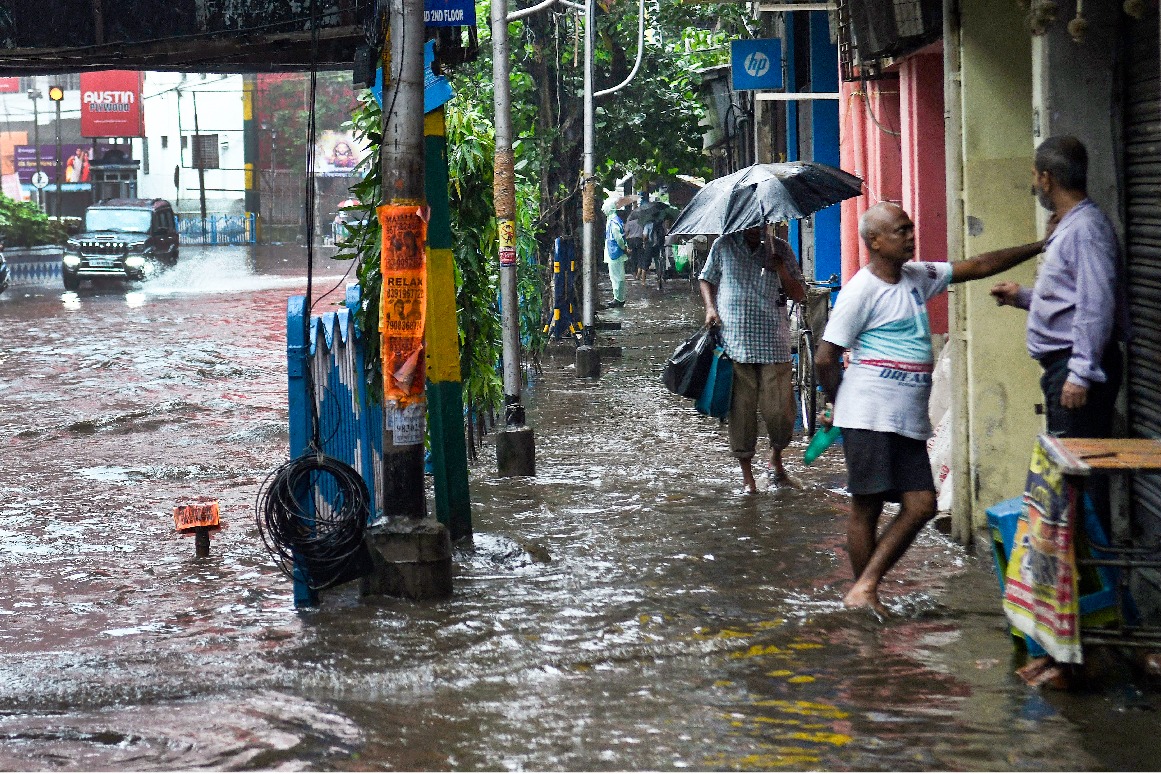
[625,609]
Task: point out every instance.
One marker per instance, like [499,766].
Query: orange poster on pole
[403,305]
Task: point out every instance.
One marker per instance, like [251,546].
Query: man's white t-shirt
[885,327]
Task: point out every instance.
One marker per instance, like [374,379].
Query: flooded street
[626,609]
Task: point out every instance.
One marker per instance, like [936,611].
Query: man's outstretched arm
[994,262]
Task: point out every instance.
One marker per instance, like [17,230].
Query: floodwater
[626,609]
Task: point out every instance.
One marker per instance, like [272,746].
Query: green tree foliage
[649,128]
[22,224]
[471,146]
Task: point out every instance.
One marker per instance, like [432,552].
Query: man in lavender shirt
[1077,313]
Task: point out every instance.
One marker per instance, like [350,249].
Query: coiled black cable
[312,512]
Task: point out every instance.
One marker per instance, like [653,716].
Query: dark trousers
[1095,418]
[1092,420]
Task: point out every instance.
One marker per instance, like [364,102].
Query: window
[164,142]
[205,151]
[145,155]
[184,143]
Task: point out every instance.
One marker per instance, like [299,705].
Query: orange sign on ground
[193,515]
[403,305]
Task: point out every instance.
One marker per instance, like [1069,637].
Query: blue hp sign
[756,64]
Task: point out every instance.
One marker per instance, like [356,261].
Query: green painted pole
[445,402]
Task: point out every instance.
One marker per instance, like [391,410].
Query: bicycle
[802,350]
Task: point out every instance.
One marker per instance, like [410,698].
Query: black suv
[122,239]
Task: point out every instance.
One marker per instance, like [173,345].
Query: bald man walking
[880,401]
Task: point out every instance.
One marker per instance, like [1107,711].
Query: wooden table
[1081,456]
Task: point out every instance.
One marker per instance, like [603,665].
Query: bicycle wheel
[806,384]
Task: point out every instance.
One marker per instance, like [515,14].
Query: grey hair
[1066,159]
[868,228]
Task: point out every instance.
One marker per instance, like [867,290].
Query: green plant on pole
[470,139]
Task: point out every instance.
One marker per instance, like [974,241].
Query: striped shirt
[755,326]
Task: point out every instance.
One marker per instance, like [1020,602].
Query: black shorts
[886,464]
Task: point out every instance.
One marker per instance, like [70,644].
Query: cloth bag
[714,400]
[687,369]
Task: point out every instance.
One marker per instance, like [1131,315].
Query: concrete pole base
[588,362]
[516,451]
[412,559]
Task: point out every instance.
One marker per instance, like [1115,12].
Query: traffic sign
[756,63]
[39,180]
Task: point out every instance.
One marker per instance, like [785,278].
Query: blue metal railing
[217,230]
[350,424]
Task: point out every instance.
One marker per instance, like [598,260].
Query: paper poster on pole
[507,235]
[403,305]
[408,424]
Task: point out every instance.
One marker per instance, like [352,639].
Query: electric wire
[312,511]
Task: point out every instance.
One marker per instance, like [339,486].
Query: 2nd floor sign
[39,180]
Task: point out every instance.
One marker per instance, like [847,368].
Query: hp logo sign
[756,64]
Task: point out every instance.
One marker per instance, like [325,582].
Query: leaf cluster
[23,224]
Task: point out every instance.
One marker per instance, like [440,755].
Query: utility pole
[588,357]
[56,94]
[34,95]
[412,552]
[200,160]
[515,444]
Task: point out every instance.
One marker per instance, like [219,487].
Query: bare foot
[784,479]
[748,481]
[863,598]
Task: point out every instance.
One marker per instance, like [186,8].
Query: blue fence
[350,425]
[217,230]
[36,266]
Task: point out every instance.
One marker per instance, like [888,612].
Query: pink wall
[872,152]
[897,148]
[924,184]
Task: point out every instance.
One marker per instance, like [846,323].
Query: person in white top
[880,401]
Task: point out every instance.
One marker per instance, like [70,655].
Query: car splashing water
[626,609]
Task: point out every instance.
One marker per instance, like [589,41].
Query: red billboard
[111,104]
[9,85]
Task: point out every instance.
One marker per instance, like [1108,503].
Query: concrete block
[516,451]
[588,362]
[607,325]
[412,558]
[610,352]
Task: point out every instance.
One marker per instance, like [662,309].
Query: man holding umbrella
[745,283]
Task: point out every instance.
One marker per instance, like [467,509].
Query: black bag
[687,369]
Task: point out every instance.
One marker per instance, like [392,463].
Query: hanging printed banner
[507,233]
[111,104]
[403,305]
[1040,591]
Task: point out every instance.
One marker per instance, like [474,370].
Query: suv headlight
[135,261]
[71,260]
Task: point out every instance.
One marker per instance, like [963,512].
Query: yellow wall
[1003,382]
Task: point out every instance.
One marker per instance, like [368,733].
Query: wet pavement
[626,609]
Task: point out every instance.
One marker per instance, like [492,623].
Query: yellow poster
[403,304]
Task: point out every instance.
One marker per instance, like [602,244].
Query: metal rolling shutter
[1143,210]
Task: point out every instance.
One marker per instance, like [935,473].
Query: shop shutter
[1142,169]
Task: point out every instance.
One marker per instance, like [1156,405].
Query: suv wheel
[71,281]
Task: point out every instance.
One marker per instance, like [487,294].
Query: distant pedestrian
[744,286]
[635,243]
[615,254]
[880,401]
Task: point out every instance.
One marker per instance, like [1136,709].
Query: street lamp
[34,95]
[56,94]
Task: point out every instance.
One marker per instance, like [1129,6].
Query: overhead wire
[312,511]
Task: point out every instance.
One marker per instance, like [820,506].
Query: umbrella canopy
[655,211]
[764,193]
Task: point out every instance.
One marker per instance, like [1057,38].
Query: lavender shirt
[1078,298]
